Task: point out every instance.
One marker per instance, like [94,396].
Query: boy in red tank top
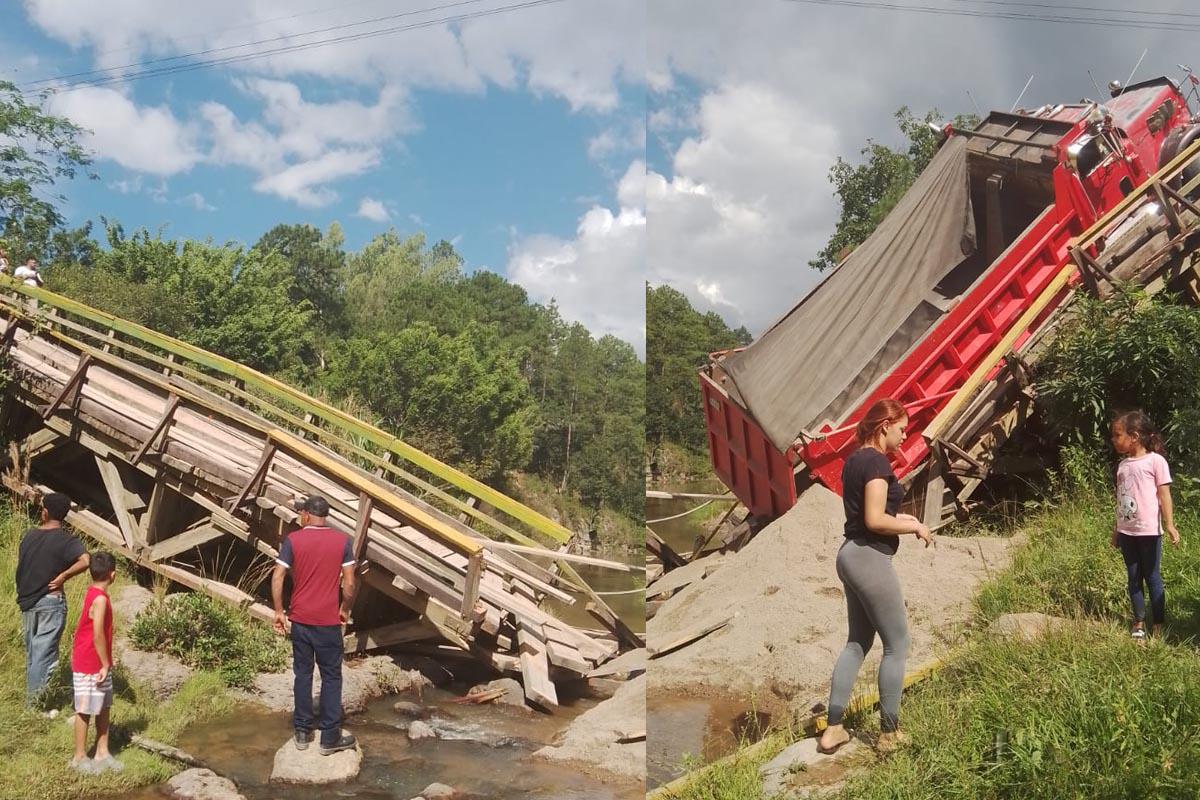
[91,668]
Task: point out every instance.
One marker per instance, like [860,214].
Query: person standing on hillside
[1144,509]
[320,559]
[871,496]
[28,272]
[47,558]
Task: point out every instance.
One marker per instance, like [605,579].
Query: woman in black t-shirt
[871,496]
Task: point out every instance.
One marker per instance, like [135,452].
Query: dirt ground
[788,611]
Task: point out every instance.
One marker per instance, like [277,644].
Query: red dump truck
[971,262]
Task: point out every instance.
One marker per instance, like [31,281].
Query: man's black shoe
[303,739]
[347,742]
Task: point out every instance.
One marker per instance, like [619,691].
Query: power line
[303,46]
[1069,20]
[255,24]
[84,75]
[1069,7]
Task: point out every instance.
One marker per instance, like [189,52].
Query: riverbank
[34,751]
[1083,712]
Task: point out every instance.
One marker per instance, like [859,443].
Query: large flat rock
[202,784]
[309,766]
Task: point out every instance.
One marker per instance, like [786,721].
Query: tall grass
[34,751]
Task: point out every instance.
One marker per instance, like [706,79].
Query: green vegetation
[34,751]
[867,191]
[208,634]
[1127,352]
[678,341]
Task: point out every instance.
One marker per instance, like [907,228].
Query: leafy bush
[1130,351]
[209,635]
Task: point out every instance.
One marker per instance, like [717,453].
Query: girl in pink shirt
[1144,509]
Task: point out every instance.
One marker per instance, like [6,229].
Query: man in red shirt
[320,559]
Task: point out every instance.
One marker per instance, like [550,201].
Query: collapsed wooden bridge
[188,464]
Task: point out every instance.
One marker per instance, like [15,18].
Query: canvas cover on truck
[857,323]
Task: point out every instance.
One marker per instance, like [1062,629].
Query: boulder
[309,766]
[406,708]
[420,730]
[202,784]
[438,791]
[801,764]
[513,695]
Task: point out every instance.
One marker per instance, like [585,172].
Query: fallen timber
[189,465]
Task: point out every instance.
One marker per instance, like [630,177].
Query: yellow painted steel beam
[413,514]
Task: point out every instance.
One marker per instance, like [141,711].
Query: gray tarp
[851,328]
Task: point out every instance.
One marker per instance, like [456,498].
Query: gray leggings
[873,604]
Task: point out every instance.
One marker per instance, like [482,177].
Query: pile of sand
[788,612]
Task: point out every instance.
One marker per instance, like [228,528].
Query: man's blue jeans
[321,644]
[43,626]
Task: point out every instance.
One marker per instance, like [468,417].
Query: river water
[692,730]
[482,750]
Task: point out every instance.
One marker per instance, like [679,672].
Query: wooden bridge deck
[188,464]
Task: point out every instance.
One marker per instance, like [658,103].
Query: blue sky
[520,137]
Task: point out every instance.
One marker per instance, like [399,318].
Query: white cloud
[731,228]
[576,51]
[597,277]
[143,138]
[197,201]
[372,209]
[299,147]
[304,183]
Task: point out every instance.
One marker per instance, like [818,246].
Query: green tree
[678,341]
[235,302]
[461,397]
[317,262]
[869,190]
[37,149]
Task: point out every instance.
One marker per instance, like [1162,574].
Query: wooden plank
[606,617]
[630,663]
[73,383]
[562,556]
[160,427]
[471,589]
[445,621]
[184,541]
[686,639]
[116,495]
[535,668]
[256,479]
[563,655]
[663,552]
[422,519]
[413,630]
